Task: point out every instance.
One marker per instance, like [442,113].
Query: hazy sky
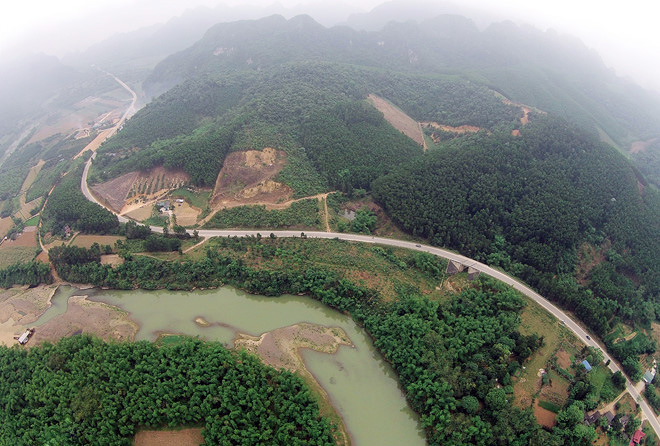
[625,33]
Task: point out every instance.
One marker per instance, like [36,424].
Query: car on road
[418,246]
[588,338]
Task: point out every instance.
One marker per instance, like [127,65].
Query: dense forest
[67,206]
[552,72]
[526,203]
[313,111]
[84,391]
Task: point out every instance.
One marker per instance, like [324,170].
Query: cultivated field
[22,249]
[137,189]
[183,437]
[86,241]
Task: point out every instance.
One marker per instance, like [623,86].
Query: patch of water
[361,385]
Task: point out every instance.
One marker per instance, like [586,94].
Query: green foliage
[652,397]
[364,222]
[301,214]
[68,206]
[30,273]
[526,203]
[352,145]
[552,407]
[301,176]
[82,390]
[648,162]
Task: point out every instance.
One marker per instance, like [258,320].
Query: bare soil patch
[563,359]
[447,128]
[114,191]
[141,213]
[641,146]
[5,225]
[590,256]
[20,307]
[398,119]
[84,316]
[279,348]
[111,259]
[89,111]
[136,189]
[183,437]
[526,109]
[186,215]
[545,417]
[557,391]
[27,238]
[96,142]
[248,178]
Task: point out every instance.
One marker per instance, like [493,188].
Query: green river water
[361,385]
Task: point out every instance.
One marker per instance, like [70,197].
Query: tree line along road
[583,335]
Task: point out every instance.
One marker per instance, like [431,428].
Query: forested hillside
[555,73]
[527,203]
[317,106]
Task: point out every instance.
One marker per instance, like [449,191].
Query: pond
[361,385]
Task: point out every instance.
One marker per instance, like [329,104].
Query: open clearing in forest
[186,215]
[641,146]
[86,241]
[544,417]
[182,437]
[556,336]
[398,119]
[137,189]
[248,178]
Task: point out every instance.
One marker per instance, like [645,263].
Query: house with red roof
[637,437]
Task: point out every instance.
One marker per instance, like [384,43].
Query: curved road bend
[485,269]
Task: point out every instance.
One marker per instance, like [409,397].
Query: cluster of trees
[526,203]
[627,352]
[31,273]
[652,397]
[68,206]
[301,214]
[82,390]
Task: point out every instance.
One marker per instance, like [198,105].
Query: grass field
[86,241]
[550,406]
[198,199]
[555,336]
[384,269]
[34,221]
[10,254]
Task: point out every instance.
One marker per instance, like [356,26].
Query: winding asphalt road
[584,336]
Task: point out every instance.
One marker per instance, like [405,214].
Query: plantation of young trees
[84,391]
